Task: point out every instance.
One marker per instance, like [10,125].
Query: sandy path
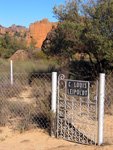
[38,140]
[25,96]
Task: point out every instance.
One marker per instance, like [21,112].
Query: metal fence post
[11,71]
[53,102]
[101,108]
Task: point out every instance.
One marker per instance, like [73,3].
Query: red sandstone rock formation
[14,29]
[38,31]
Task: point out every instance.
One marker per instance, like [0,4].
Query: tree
[84,28]
[98,33]
[66,35]
[69,11]
[63,41]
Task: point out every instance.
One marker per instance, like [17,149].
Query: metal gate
[77,110]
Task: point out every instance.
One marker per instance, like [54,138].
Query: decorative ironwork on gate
[77,110]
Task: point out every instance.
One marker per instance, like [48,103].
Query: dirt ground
[37,139]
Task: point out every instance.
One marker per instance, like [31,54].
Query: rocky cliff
[37,31]
[14,30]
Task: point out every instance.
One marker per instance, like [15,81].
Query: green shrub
[17,34]
[39,55]
[7,53]
[10,44]
[25,34]
[36,66]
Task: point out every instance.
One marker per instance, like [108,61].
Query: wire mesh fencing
[25,104]
[108,111]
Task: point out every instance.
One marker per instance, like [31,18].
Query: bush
[39,55]
[35,66]
[17,34]
[7,53]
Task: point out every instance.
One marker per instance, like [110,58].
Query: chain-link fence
[25,103]
[108,111]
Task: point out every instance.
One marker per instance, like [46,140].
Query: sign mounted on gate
[78,88]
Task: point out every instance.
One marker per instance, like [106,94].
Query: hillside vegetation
[10,44]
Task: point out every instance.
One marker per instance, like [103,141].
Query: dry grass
[26,105]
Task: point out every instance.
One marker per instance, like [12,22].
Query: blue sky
[24,12]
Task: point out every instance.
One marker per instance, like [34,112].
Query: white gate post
[11,71]
[101,108]
[53,101]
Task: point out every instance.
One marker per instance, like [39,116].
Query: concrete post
[53,102]
[11,71]
[101,108]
